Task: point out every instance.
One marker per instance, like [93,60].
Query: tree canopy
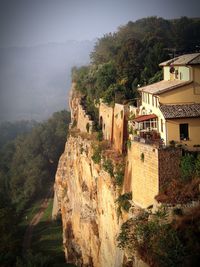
[27,166]
[130,57]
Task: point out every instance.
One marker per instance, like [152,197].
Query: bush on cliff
[119,174]
[156,243]
[161,243]
[108,167]
[186,188]
[123,202]
[96,157]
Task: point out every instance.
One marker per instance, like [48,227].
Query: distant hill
[34,81]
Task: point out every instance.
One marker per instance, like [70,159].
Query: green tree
[187,166]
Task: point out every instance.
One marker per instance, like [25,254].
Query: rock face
[85,196]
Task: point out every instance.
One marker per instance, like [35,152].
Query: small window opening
[184,133]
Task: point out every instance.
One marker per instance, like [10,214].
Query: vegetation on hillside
[10,130]
[122,61]
[161,242]
[168,238]
[186,188]
[27,169]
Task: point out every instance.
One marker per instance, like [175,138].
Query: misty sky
[36,55]
[31,22]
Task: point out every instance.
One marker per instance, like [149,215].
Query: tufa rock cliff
[85,196]
[96,201]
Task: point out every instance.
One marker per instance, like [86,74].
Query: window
[184,134]
[148,98]
[152,100]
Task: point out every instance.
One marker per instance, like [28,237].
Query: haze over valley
[35,80]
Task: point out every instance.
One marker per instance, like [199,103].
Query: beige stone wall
[145,177]
[106,119]
[83,119]
[120,127]
[151,169]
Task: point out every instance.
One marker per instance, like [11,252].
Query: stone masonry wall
[74,101]
[151,168]
[106,120]
[83,119]
[119,127]
[143,160]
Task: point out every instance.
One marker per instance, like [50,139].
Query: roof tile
[163,86]
[180,111]
[187,59]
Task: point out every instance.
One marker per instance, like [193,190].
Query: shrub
[130,129]
[142,157]
[108,167]
[119,174]
[187,167]
[157,243]
[100,135]
[128,144]
[96,157]
[197,165]
[123,203]
[88,127]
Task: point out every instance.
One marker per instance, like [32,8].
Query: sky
[32,22]
[36,55]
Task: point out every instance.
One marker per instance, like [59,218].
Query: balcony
[146,130]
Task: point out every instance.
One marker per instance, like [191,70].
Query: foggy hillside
[34,81]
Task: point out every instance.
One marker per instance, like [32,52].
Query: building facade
[174,102]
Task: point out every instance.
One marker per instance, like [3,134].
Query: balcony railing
[149,137]
[149,125]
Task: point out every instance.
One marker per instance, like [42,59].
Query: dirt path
[36,219]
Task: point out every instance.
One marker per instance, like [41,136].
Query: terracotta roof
[180,111]
[163,86]
[188,59]
[145,117]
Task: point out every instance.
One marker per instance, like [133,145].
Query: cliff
[85,196]
[100,204]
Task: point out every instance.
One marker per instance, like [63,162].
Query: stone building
[172,106]
[113,121]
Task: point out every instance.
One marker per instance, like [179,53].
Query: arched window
[101,122]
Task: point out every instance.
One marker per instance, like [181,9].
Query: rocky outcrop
[85,196]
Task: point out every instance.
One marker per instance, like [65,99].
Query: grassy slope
[47,235]
[47,238]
